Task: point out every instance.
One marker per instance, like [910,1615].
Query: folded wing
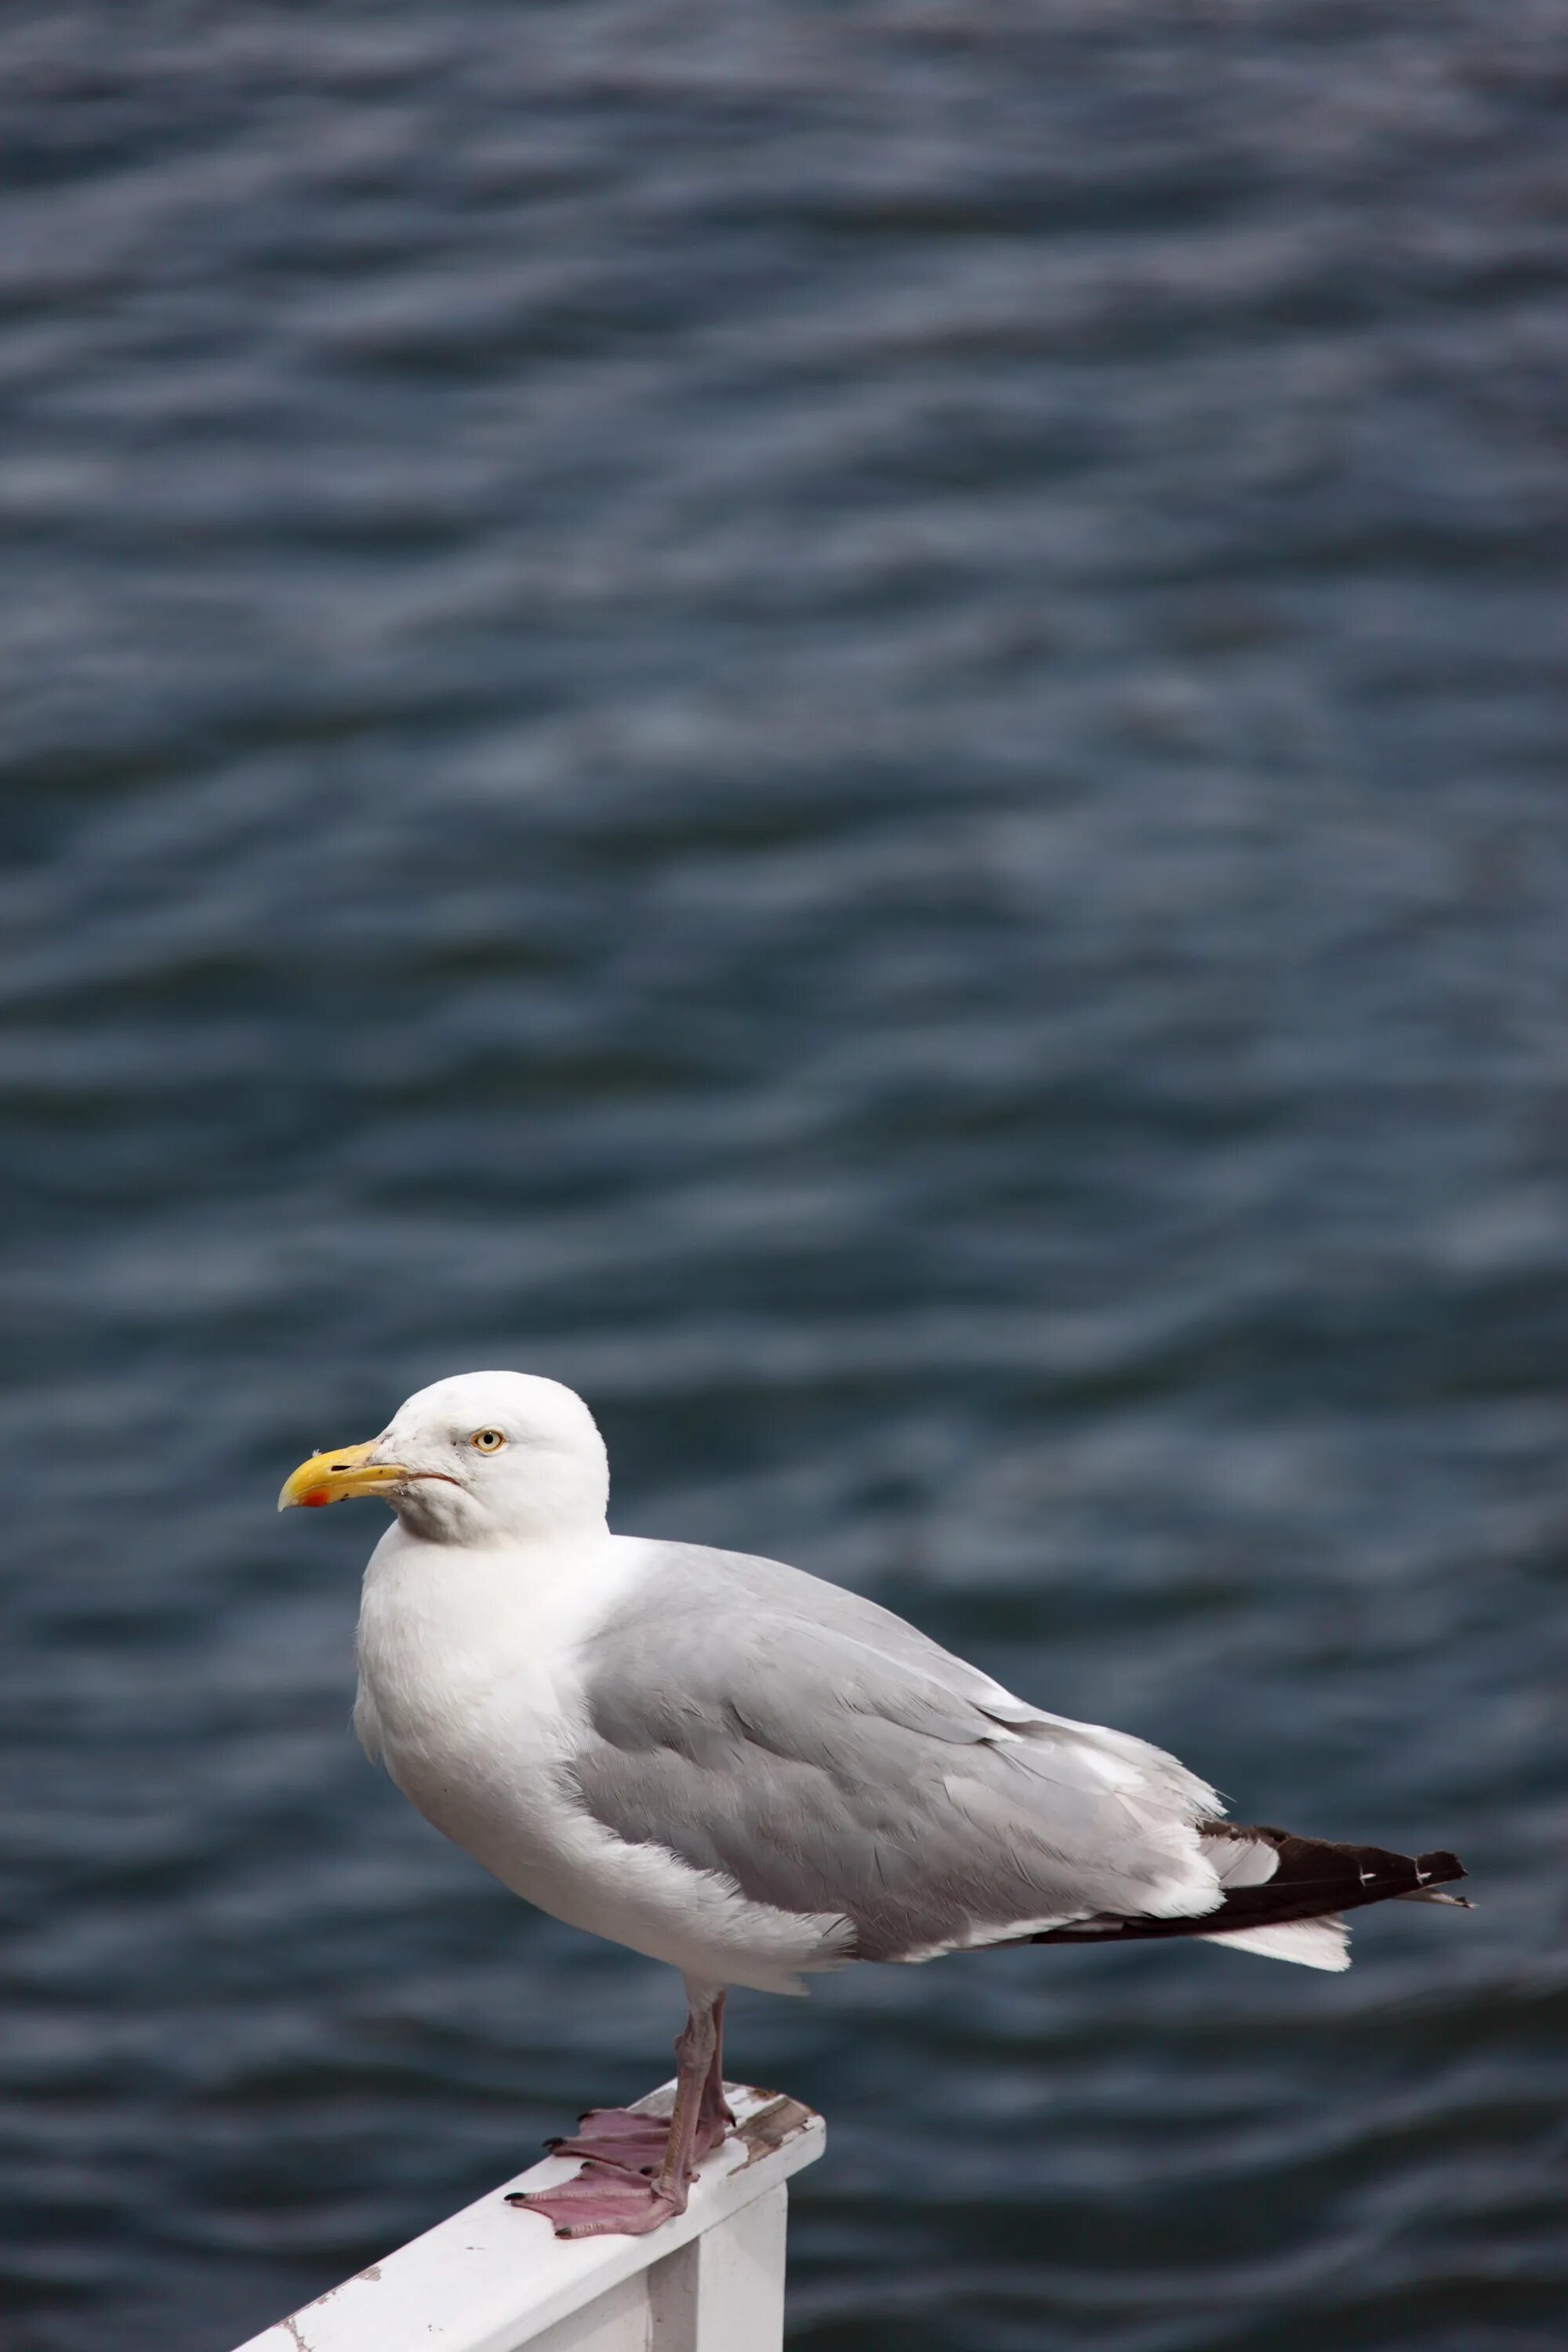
[824,1757]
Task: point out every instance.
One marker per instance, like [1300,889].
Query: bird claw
[619,2136]
[622,2188]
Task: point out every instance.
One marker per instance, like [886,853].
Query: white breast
[469,1683]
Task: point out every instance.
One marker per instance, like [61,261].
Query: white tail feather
[1311,1943]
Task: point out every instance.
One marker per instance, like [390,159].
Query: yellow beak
[333,1477]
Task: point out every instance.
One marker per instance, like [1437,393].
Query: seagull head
[482,1458]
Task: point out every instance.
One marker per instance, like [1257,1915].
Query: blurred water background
[846,721]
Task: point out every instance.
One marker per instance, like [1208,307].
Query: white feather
[1241,1861]
[1312,1943]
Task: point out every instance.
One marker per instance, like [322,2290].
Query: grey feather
[824,1757]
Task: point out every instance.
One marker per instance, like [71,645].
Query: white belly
[470,1689]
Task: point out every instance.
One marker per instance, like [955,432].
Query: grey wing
[824,1757]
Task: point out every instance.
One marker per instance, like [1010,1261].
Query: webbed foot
[604,2201]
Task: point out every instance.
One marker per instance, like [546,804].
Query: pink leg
[715,2117]
[635,2142]
[612,2195]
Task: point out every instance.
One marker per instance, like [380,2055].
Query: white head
[483,1458]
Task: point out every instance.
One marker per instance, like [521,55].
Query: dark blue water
[846,721]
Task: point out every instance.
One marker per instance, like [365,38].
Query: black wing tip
[1302,1858]
[1316,1879]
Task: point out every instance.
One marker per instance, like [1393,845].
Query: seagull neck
[480,1602]
[443,1516]
[547,1542]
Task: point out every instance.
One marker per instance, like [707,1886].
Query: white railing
[493,2278]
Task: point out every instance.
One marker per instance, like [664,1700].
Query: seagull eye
[487,1440]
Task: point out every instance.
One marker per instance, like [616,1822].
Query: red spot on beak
[314,1500]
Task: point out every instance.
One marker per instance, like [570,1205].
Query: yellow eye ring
[487,1440]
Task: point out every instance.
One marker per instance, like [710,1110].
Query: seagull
[747,1773]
